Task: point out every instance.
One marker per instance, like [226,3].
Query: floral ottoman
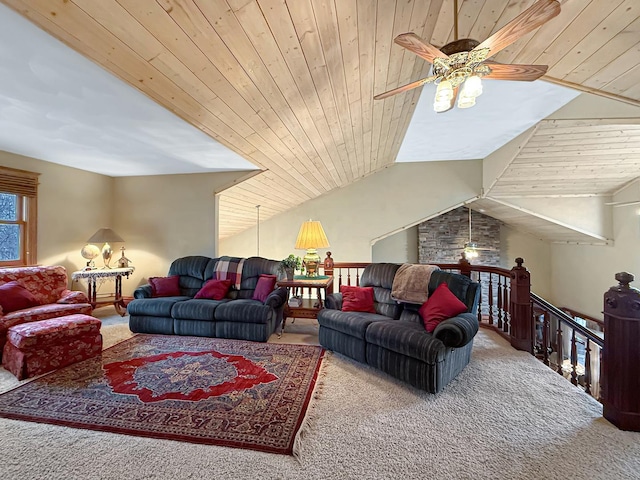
[38,347]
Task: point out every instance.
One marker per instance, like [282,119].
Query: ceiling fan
[464,61]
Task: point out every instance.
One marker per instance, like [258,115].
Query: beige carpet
[505,416]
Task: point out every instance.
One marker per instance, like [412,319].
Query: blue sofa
[236,316]
[394,338]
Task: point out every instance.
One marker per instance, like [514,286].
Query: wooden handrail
[575,313]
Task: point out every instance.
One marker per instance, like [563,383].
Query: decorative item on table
[295,301]
[89,252]
[290,264]
[106,236]
[123,262]
[310,237]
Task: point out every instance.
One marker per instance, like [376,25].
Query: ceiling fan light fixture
[444,95]
[470,250]
[466,102]
[441,106]
[472,87]
[444,92]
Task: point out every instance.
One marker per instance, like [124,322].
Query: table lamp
[310,237]
[105,235]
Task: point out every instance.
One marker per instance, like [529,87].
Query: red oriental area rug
[203,390]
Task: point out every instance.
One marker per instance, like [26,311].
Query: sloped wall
[387,201]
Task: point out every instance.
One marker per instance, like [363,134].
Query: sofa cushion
[461,286]
[441,305]
[265,285]
[46,283]
[193,272]
[13,296]
[408,339]
[251,271]
[214,289]
[196,309]
[380,276]
[351,323]
[53,331]
[165,286]
[357,299]
[40,312]
[244,310]
[154,307]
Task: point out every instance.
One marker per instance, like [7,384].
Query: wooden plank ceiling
[289,84]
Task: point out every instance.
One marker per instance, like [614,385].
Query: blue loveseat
[394,338]
[236,316]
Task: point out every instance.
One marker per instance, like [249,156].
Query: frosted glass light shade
[444,91]
[472,87]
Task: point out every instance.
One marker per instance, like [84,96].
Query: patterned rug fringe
[311,417]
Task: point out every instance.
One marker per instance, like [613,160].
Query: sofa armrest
[333,301]
[73,296]
[277,298]
[143,291]
[457,331]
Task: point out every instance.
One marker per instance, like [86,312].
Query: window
[18,217]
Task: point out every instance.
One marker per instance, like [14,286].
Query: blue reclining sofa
[394,339]
[236,316]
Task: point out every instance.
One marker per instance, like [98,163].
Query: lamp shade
[311,235]
[105,235]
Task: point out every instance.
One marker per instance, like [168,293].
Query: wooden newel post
[621,355]
[465,265]
[522,325]
[328,269]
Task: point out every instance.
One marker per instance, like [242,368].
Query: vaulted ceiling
[289,85]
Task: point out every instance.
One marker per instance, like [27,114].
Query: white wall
[582,273]
[536,254]
[72,205]
[165,217]
[392,199]
[401,247]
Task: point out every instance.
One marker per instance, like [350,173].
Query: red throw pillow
[441,305]
[13,296]
[214,289]
[165,286]
[264,287]
[357,299]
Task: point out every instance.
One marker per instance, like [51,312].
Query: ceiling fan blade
[525,73]
[406,87]
[540,12]
[415,44]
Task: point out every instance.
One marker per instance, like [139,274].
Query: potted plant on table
[290,264]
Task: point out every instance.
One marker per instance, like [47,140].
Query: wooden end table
[310,306]
[99,276]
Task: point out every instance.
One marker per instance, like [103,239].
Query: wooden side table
[99,276]
[310,306]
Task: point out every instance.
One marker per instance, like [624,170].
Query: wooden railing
[593,323]
[495,290]
[570,348]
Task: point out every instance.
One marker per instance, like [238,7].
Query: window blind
[18,182]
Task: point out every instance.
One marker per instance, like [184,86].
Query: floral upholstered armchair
[29,294]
